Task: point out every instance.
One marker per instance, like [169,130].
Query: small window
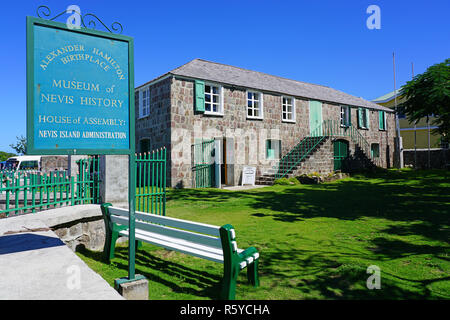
[145,109]
[273,149]
[375,150]
[254,105]
[145,145]
[213,99]
[288,109]
[345,116]
[382,120]
[363,118]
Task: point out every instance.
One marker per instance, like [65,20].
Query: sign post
[80,98]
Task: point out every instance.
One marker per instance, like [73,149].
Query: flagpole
[415,127]
[399,144]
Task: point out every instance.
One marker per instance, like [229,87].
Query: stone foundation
[76,226]
[86,232]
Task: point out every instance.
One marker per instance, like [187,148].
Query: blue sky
[323,42]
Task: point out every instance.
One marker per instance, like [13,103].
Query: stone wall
[248,136]
[76,226]
[52,163]
[114,179]
[373,135]
[87,232]
[320,161]
[156,127]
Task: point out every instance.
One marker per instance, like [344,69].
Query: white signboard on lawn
[248,175]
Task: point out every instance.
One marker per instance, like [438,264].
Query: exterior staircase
[290,162]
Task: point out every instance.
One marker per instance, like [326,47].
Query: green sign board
[80,97]
[80,90]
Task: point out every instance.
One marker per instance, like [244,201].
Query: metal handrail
[328,128]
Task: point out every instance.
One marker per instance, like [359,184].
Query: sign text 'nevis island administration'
[78,90]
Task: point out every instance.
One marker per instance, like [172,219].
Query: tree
[429,93]
[21,145]
[5,155]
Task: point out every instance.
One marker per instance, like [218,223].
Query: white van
[23,163]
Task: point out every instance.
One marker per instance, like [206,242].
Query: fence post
[72,190]
[114,179]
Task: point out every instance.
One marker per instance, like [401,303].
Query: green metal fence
[31,191]
[203,164]
[88,178]
[151,182]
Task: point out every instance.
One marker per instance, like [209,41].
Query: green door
[340,153]
[315,118]
[203,166]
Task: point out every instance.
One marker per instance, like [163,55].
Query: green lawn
[315,241]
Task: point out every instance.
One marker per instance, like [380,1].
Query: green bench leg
[110,245]
[252,273]
[229,282]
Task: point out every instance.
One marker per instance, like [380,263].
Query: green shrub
[286,181]
[282,181]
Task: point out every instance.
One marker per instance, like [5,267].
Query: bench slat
[183,242]
[201,239]
[175,246]
[170,222]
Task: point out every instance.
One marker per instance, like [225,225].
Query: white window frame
[293,112]
[260,101]
[367,118]
[144,102]
[345,115]
[219,111]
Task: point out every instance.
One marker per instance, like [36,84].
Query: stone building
[422,146]
[224,118]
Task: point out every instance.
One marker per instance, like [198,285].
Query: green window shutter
[367,124]
[279,150]
[375,150]
[349,116]
[270,150]
[381,120]
[360,117]
[199,96]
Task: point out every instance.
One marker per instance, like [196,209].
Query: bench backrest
[201,233]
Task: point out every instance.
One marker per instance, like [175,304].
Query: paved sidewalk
[36,265]
[246,187]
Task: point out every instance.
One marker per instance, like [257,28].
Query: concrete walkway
[246,187]
[36,264]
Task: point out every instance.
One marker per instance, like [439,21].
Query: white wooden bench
[201,240]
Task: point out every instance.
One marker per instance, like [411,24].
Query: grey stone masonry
[174,123]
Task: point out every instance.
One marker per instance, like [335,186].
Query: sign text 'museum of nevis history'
[79,82]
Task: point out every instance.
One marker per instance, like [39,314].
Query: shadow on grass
[422,197]
[319,275]
[415,204]
[179,278]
